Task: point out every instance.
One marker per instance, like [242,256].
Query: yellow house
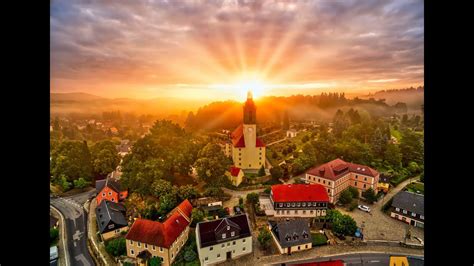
[236,175]
[248,151]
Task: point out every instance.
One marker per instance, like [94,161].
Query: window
[293,204]
[404,219]
[304,212]
[138,244]
[232,233]
[364,185]
[311,212]
[223,245]
[233,242]
[110,193]
[131,242]
[422,217]
[112,199]
[146,245]
[405,211]
[153,247]
[172,255]
[328,190]
[329,182]
[365,178]
[206,258]
[211,248]
[243,240]
[413,214]
[356,176]
[228,243]
[296,211]
[250,165]
[132,252]
[319,180]
[280,204]
[288,205]
[218,255]
[324,181]
[355,183]
[228,227]
[305,246]
[287,212]
[161,249]
[299,204]
[304,204]
[243,248]
[299,247]
[397,209]
[240,164]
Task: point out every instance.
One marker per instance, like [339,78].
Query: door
[289,250]
[229,255]
[412,222]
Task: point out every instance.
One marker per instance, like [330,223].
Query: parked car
[237,210]
[364,208]
[53,253]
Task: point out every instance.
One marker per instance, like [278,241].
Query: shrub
[355,192]
[53,235]
[264,237]
[261,171]
[155,261]
[116,247]
[252,197]
[353,205]
[267,190]
[241,200]
[189,255]
[369,195]
[345,197]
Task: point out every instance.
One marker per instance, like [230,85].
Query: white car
[363,208]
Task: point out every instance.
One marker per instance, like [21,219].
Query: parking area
[379,226]
[266,205]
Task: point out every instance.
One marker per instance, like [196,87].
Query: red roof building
[161,239]
[234,171]
[299,200]
[337,175]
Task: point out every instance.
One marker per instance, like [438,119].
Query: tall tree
[70,159]
[411,147]
[105,157]
[211,163]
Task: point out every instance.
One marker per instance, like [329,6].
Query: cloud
[157,43]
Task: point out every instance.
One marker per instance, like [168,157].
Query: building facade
[291,236]
[235,175]
[299,200]
[223,239]
[248,151]
[409,207]
[337,175]
[163,240]
[111,219]
[109,189]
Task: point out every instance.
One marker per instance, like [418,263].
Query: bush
[353,205]
[116,247]
[264,237]
[355,192]
[345,197]
[276,172]
[214,192]
[369,195]
[261,171]
[53,236]
[189,255]
[81,183]
[241,200]
[155,261]
[267,190]
[252,197]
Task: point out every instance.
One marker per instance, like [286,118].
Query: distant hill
[74,97]
[413,97]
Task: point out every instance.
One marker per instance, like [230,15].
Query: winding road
[71,208]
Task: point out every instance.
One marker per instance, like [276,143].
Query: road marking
[372,261]
[77,235]
[82,259]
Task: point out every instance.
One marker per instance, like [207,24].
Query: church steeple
[250,110]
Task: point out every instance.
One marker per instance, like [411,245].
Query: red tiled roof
[162,234]
[238,140]
[234,171]
[299,192]
[337,168]
[322,263]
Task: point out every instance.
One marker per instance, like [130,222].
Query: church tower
[250,121]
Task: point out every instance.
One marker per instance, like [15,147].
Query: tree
[187,192]
[53,235]
[413,168]
[393,155]
[81,183]
[369,195]
[354,191]
[71,159]
[211,163]
[261,171]
[116,247]
[276,172]
[252,198]
[105,157]
[345,197]
[197,216]
[305,139]
[411,147]
[167,203]
[215,192]
[341,224]
[264,237]
[155,261]
[189,255]
[161,187]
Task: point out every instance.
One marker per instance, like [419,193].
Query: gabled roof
[207,230]
[337,168]
[410,201]
[299,193]
[162,234]
[291,233]
[99,185]
[107,212]
[109,182]
[234,171]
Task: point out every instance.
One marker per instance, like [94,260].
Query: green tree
[187,192]
[116,247]
[211,163]
[276,172]
[167,203]
[71,159]
[155,261]
[216,192]
[252,198]
[189,255]
[345,197]
[411,147]
[369,195]
[105,157]
[354,191]
[197,216]
[161,187]
[393,155]
[413,168]
[264,237]
[53,235]
[81,183]
[261,171]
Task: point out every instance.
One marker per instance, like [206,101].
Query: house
[148,238]
[384,183]
[109,189]
[53,222]
[337,175]
[409,207]
[111,219]
[291,235]
[291,133]
[299,200]
[235,175]
[248,151]
[223,239]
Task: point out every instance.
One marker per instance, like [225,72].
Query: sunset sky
[217,49]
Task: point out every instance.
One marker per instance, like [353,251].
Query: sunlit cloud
[213,49]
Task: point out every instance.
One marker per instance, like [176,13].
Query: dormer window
[224,235]
[228,227]
[232,233]
[288,238]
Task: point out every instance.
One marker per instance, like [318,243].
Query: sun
[255,85]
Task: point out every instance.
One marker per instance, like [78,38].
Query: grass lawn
[413,187]
[318,239]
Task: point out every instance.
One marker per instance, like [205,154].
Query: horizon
[218,50]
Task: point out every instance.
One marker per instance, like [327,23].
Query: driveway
[75,227]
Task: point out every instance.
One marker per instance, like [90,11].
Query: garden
[319,239]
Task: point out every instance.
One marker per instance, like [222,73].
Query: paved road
[372,259]
[394,191]
[76,227]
